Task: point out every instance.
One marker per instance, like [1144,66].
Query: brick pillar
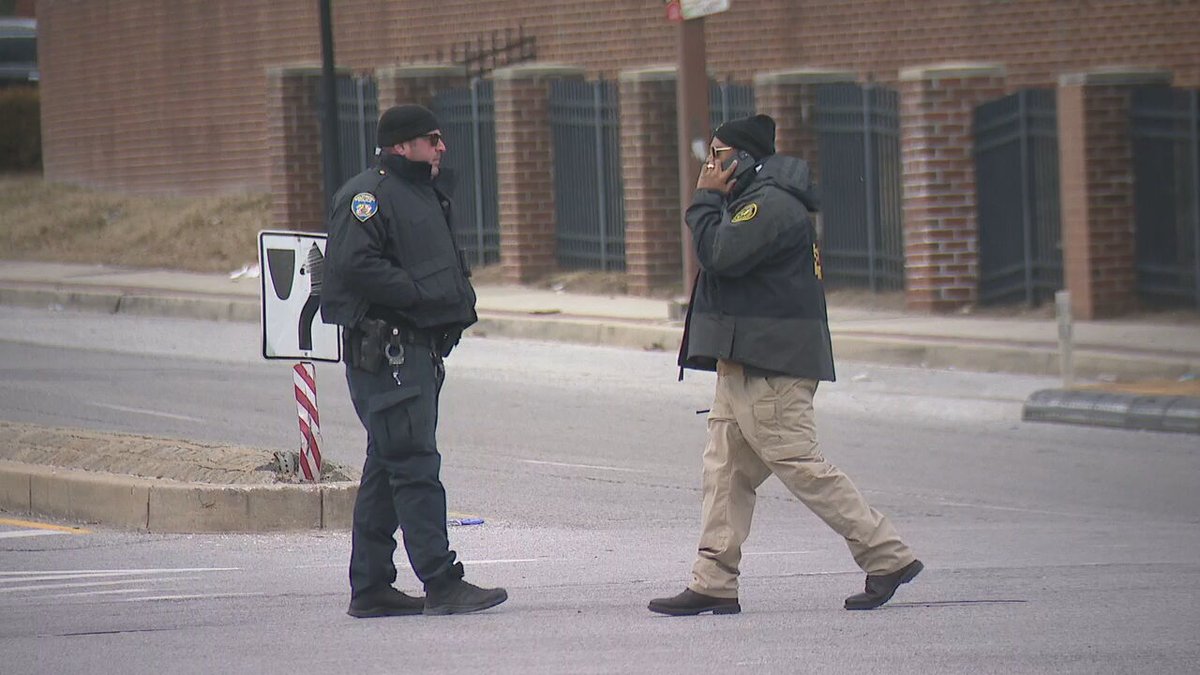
[294,149]
[789,97]
[525,168]
[416,83]
[1096,178]
[650,173]
[941,236]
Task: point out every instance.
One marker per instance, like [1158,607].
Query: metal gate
[468,120]
[358,117]
[1165,130]
[1017,198]
[728,101]
[858,141]
[589,200]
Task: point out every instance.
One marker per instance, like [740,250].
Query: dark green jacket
[759,299]
[400,261]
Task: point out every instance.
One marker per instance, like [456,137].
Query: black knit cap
[755,135]
[404,123]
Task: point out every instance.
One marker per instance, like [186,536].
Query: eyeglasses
[713,151]
[434,139]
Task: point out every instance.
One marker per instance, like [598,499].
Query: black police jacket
[391,252]
[759,299]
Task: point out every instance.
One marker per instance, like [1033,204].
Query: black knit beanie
[404,123]
[755,135]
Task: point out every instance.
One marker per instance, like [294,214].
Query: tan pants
[761,426]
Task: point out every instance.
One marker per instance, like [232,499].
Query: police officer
[757,317]
[396,282]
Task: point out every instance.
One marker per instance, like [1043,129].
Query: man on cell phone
[757,317]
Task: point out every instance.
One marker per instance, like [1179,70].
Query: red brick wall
[167,95]
[525,170]
[1095,160]
[650,174]
[295,173]
[941,236]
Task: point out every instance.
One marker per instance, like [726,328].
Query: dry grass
[61,223]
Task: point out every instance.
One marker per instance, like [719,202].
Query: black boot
[881,587]
[456,596]
[384,601]
[691,603]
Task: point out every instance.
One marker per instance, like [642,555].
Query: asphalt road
[1048,548]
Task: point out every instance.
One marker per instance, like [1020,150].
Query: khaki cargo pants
[761,426]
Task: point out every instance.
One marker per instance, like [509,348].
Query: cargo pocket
[394,420]
[436,280]
[764,407]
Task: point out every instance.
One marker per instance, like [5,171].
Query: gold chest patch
[747,212]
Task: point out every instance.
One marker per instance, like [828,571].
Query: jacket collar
[417,172]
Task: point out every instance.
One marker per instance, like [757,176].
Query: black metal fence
[589,200]
[358,117]
[858,141]
[728,101]
[1165,130]
[468,120]
[1017,198]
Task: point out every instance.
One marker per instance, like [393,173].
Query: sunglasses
[434,139]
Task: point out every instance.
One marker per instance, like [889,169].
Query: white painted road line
[194,597]
[582,466]
[28,533]
[148,570]
[143,411]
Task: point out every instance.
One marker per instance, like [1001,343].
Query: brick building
[168,96]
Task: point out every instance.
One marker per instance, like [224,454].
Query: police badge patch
[364,206]
[747,213]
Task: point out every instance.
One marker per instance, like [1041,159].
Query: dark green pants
[400,486]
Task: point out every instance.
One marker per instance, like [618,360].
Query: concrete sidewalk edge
[170,506]
[908,350]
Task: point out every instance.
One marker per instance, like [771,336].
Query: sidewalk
[1133,375]
[1162,358]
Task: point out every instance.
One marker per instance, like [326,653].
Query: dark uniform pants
[400,486]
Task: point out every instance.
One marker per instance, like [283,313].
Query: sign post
[691,103]
[292,265]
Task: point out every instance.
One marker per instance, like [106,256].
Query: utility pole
[691,100]
[330,150]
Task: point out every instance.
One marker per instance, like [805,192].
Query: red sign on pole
[674,11]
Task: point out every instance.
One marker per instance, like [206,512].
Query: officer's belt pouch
[367,343]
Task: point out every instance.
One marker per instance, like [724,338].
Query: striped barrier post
[310,421]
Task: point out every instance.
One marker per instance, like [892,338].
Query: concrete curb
[172,506]
[132,302]
[1114,409]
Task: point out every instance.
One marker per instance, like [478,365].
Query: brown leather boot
[881,587]
[691,603]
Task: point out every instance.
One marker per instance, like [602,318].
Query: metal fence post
[1194,132]
[871,192]
[1024,139]
[360,120]
[477,170]
[597,102]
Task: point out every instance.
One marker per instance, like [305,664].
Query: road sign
[694,9]
[291,264]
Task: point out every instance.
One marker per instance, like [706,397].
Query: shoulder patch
[364,205]
[747,212]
